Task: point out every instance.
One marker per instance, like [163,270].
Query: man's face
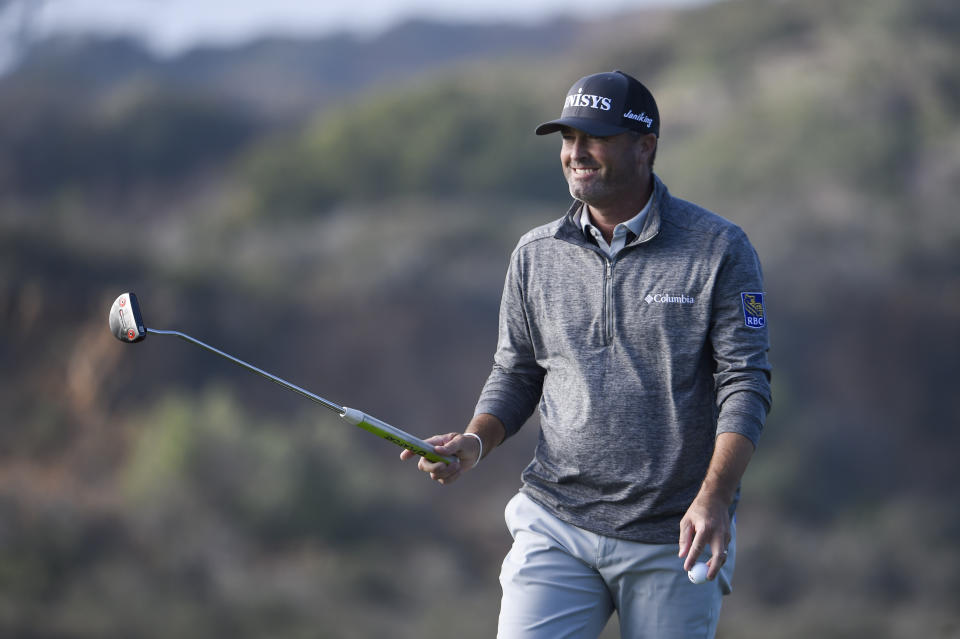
[602,170]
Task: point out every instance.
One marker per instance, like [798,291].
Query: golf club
[126,324]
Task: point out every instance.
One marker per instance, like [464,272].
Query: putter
[126,324]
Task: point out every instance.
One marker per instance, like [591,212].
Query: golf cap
[606,104]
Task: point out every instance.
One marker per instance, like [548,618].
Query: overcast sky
[173,25]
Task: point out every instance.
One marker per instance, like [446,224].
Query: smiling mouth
[582,171]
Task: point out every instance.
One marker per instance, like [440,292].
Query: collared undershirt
[623,233]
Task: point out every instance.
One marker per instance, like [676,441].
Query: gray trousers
[563,582]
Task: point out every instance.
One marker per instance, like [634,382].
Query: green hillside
[357,244]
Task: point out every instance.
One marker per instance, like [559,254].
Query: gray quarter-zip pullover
[637,363]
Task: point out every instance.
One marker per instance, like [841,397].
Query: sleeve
[512,391]
[740,341]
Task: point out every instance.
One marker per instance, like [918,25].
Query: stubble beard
[602,190]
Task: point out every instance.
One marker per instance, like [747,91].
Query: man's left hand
[707,522]
[708,519]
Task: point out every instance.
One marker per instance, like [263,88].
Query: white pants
[563,582]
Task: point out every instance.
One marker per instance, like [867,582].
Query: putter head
[126,323]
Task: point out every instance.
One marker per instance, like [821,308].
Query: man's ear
[649,142]
[648,149]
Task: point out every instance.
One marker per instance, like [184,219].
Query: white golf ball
[698,574]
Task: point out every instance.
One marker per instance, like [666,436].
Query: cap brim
[587,125]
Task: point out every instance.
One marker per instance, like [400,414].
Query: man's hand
[707,521]
[465,449]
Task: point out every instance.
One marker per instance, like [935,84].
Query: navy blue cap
[606,104]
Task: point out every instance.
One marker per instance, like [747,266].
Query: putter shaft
[326,403]
[351,415]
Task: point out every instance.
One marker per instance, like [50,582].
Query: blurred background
[336,200]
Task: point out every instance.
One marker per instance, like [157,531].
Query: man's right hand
[465,449]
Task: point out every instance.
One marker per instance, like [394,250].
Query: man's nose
[578,148]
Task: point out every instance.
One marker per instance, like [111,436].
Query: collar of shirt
[623,233]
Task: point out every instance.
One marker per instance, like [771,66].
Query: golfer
[637,324]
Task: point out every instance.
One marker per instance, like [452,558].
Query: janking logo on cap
[639,117]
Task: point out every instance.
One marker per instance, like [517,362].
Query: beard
[601,188]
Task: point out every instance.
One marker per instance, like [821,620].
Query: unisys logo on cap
[606,104]
[581,99]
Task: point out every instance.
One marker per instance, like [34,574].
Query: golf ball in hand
[698,574]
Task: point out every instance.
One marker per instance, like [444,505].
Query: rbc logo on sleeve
[753,315]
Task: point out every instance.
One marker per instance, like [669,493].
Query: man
[636,322]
